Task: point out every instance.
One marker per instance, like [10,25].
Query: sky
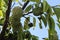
[43,33]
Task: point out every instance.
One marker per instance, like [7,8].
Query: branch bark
[6,19]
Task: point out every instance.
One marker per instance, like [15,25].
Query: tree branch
[25,4]
[6,19]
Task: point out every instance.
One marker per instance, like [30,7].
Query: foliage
[42,10]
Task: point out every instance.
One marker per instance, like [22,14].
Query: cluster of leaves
[42,10]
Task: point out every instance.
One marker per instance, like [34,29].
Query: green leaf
[34,37]
[34,22]
[1,21]
[57,12]
[28,8]
[45,6]
[49,11]
[40,24]
[44,21]
[6,1]
[53,35]
[26,23]
[1,14]
[37,1]
[51,23]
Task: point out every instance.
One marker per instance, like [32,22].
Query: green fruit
[17,11]
[37,11]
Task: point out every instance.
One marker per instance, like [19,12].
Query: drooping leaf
[51,23]
[26,26]
[57,12]
[28,8]
[45,6]
[40,24]
[44,21]
[34,22]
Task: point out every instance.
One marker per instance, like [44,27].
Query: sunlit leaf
[17,0]
[49,11]
[45,6]
[1,21]
[1,14]
[28,8]
[44,21]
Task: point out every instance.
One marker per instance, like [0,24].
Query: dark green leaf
[51,23]
[49,11]
[44,21]
[40,24]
